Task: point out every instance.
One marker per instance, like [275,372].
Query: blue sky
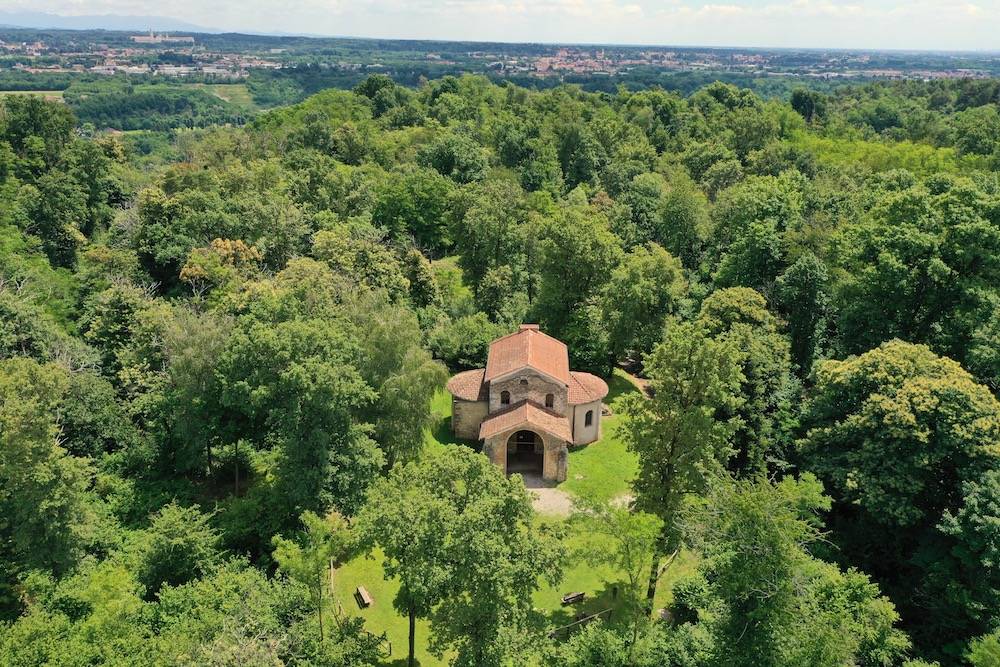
[895,24]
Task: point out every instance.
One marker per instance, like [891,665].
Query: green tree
[494,557]
[407,517]
[577,252]
[455,155]
[324,542]
[765,415]
[415,203]
[769,602]
[921,268]
[57,209]
[402,373]
[633,538]
[44,511]
[178,546]
[677,433]
[684,225]
[802,295]
[810,104]
[489,230]
[985,651]
[642,291]
[900,436]
[291,387]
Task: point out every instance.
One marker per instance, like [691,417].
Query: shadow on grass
[611,596]
[442,433]
[619,386]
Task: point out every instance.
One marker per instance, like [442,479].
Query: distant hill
[27,19]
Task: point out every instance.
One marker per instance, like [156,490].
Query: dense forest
[221,352]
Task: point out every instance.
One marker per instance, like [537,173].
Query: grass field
[47,94]
[602,470]
[234,93]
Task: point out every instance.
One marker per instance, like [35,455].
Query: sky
[870,24]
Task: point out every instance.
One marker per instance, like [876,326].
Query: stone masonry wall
[534,390]
[466,416]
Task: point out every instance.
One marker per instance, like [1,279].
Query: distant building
[162,38]
[527,406]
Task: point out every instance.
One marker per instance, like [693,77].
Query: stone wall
[528,385]
[466,416]
[554,460]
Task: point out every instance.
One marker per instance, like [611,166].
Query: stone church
[527,407]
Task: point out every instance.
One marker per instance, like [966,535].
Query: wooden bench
[363,597]
[573,598]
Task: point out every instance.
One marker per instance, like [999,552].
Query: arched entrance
[525,453]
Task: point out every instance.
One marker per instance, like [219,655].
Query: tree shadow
[610,596]
[443,434]
[619,386]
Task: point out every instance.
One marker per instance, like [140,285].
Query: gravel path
[551,501]
[548,499]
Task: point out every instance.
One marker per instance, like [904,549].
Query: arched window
[550,400]
[588,419]
[504,398]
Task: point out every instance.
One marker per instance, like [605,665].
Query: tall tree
[324,542]
[802,295]
[460,536]
[646,288]
[43,508]
[633,537]
[769,601]
[903,438]
[677,433]
[577,253]
[406,517]
[763,439]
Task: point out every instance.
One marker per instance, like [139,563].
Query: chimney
[528,327]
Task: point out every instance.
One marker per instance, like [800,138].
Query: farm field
[47,94]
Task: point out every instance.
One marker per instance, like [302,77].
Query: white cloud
[929,24]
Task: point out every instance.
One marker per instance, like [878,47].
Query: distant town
[236,56]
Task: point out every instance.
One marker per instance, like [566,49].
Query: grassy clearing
[234,93]
[380,617]
[47,94]
[602,470]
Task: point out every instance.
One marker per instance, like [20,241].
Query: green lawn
[602,469]
[380,617]
[47,94]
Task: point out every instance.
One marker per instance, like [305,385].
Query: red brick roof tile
[528,348]
[585,388]
[469,386]
[526,415]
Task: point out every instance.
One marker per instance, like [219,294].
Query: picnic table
[363,597]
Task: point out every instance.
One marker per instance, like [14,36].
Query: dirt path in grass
[551,501]
[548,499]
[642,384]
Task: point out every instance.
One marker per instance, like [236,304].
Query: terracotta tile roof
[528,347]
[585,388]
[526,415]
[469,386]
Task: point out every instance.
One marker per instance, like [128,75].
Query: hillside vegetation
[223,347]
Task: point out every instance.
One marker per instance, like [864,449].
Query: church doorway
[525,453]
